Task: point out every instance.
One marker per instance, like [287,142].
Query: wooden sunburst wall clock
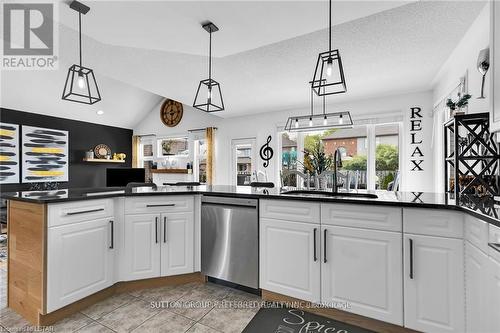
[171,112]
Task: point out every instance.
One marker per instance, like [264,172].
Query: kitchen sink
[331,194]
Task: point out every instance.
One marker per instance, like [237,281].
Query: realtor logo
[29,35]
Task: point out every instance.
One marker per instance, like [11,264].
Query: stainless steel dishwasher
[230,240]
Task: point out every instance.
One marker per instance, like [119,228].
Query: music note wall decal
[266,152]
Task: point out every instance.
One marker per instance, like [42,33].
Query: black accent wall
[82,137]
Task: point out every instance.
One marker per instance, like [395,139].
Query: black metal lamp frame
[344,115]
[89,94]
[293,124]
[212,86]
[320,83]
[208,106]
[473,154]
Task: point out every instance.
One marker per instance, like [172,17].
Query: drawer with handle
[159,204]
[78,211]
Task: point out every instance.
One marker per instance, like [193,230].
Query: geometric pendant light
[208,96]
[319,121]
[80,86]
[328,76]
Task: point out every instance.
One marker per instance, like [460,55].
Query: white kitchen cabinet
[494,291]
[142,246]
[158,245]
[298,211]
[476,288]
[80,259]
[290,258]
[362,216]
[177,243]
[363,268]
[433,283]
[433,222]
[494,278]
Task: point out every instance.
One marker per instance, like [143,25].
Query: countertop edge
[344,200]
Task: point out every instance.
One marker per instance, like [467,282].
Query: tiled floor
[133,312]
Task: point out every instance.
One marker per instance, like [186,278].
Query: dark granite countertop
[484,208]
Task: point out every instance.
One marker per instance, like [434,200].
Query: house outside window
[362,168]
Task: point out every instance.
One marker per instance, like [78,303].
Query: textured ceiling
[393,51]
[174,26]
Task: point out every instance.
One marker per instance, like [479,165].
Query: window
[386,155]
[172,147]
[243,161]
[200,161]
[353,146]
[146,156]
[289,150]
[364,166]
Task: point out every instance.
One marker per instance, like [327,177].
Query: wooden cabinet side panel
[27,234]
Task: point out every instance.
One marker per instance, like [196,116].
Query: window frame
[370,153]
[234,161]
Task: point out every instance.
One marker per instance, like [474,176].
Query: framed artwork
[9,153]
[45,155]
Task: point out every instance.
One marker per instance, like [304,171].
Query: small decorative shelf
[472,156]
[102,160]
[169,170]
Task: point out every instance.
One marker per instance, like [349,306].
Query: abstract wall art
[45,155]
[9,153]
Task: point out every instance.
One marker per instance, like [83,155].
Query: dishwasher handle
[228,201]
[227,205]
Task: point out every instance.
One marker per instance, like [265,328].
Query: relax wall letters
[416,157]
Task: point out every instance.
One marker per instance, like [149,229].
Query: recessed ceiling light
[100,112]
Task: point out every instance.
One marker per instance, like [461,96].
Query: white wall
[259,126]
[191,119]
[463,59]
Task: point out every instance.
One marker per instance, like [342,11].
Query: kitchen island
[398,260]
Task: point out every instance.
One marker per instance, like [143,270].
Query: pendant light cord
[312,107]
[80,36]
[324,105]
[210,57]
[330,27]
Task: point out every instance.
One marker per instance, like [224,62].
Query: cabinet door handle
[160,205]
[112,225]
[314,238]
[85,211]
[324,245]
[494,246]
[164,229]
[156,229]
[411,258]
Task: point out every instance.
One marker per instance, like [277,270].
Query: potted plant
[316,161]
[456,108]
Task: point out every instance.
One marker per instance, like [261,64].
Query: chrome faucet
[337,163]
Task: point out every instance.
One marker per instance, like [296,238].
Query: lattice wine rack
[472,156]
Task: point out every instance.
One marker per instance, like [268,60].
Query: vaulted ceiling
[265,53]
